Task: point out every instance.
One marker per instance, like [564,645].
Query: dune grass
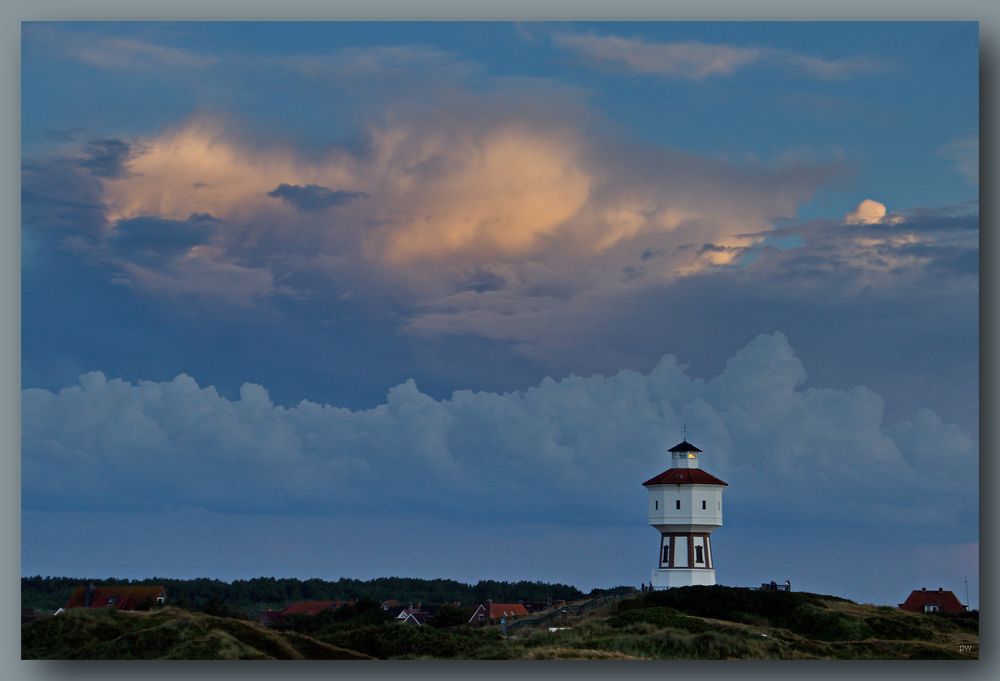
[715,623]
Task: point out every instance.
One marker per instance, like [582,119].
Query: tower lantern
[685,506]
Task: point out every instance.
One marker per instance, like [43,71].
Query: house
[932,601]
[394,607]
[490,612]
[413,616]
[120,597]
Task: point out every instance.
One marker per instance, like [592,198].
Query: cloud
[110,52]
[688,59]
[107,158]
[897,253]
[569,450]
[393,63]
[451,193]
[697,60]
[314,197]
[870,212]
[158,238]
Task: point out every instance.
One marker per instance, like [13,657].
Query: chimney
[940,588]
[923,588]
[88,595]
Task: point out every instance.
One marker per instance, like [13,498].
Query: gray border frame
[13,12]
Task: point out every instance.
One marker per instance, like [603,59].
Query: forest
[248,597]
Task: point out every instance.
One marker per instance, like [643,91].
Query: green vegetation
[690,623]
[165,633]
[250,596]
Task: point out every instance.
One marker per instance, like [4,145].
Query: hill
[690,623]
[166,633]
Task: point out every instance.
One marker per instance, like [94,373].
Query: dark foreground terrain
[690,623]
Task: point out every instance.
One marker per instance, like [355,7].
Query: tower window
[656,505]
[678,502]
[703,504]
[666,554]
[699,556]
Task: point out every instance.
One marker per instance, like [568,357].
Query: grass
[690,623]
[167,633]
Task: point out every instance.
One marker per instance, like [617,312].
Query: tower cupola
[684,455]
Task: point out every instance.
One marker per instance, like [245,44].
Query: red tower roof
[685,476]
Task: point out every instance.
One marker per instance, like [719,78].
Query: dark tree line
[250,596]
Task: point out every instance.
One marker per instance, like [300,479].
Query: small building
[394,607]
[119,597]
[932,601]
[491,613]
[413,616]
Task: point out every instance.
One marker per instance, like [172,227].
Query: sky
[434,299]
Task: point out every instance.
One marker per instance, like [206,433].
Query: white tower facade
[685,506]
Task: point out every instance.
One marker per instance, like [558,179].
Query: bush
[826,625]
[451,616]
[660,617]
[398,640]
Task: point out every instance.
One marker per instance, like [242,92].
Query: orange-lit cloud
[871,212]
[430,208]
[196,169]
[490,193]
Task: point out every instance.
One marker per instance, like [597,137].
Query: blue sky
[287,271]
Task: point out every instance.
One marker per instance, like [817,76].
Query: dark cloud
[58,199]
[151,238]
[107,158]
[312,197]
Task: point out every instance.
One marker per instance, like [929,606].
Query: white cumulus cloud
[569,450]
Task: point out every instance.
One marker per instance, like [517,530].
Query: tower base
[674,577]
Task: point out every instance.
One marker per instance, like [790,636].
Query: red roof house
[120,597]
[413,616]
[932,601]
[492,612]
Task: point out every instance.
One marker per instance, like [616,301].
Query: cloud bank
[426,208]
[570,450]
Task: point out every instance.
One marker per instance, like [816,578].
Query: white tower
[685,505]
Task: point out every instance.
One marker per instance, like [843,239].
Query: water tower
[685,505]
